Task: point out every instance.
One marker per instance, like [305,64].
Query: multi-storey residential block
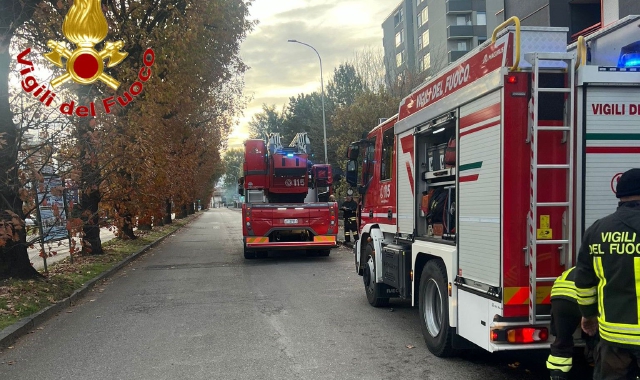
[423,36]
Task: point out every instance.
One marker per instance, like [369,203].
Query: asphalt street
[194,308]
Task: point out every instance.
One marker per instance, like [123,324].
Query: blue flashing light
[635,62]
[630,55]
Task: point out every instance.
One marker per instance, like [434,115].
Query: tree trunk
[183,212]
[14,258]
[158,220]
[89,202]
[127,226]
[144,223]
[167,216]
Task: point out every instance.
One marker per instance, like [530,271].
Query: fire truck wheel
[372,289]
[249,254]
[434,309]
[324,252]
[262,254]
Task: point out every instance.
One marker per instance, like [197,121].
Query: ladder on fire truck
[274,143]
[558,63]
[302,142]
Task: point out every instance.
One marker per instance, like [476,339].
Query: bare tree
[369,65]
[403,83]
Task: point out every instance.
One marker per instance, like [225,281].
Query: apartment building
[423,36]
[582,17]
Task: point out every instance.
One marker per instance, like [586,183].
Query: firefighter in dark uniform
[608,283]
[350,208]
[565,320]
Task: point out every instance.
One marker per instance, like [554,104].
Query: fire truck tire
[372,289]
[249,254]
[434,310]
[324,252]
[262,254]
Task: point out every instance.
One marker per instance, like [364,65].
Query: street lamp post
[324,125]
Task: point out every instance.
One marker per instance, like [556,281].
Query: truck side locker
[396,268]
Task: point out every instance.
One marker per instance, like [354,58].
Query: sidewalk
[27,324]
[61,248]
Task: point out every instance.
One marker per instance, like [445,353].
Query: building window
[463,46]
[425,62]
[423,40]
[397,18]
[463,20]
[399,59]
[387,154]
[481,18]
[423,17]
[399,38]
[369,161]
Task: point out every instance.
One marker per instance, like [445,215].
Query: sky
[278,70]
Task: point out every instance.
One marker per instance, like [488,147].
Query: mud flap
[460,343]
[388,291]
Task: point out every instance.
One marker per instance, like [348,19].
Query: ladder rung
[545,279]
[554,89]
[548,242]
[552,204]
[555,128]
[553,166]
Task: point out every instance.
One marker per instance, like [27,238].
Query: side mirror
[241,186]
[352,173]
[353,151]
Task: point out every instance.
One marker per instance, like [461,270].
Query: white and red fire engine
[476,194]
[286,199]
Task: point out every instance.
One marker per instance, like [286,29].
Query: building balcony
[459,6]
[466,31]
[465,6]
[455,55]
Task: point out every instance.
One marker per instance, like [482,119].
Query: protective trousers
[565,319]
[616,363]
[350,227]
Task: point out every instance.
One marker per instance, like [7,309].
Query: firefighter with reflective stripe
[565,320]
[608,283]
[350,226]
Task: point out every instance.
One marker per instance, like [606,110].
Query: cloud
[279,70]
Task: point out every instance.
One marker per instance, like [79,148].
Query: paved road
[193,308]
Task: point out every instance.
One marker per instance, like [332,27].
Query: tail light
[247,218]
[333,215]
[521,335]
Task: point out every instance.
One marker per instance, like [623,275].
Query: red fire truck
[286,199]
[476,194]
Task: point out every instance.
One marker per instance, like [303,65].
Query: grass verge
[22,298]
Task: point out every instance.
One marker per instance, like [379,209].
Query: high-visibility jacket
[608,275]
[565,287]
[350,208]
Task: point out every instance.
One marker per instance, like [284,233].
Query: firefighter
[608,283]
[565,319]
[350,208]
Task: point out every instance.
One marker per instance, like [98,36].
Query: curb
[11,334]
